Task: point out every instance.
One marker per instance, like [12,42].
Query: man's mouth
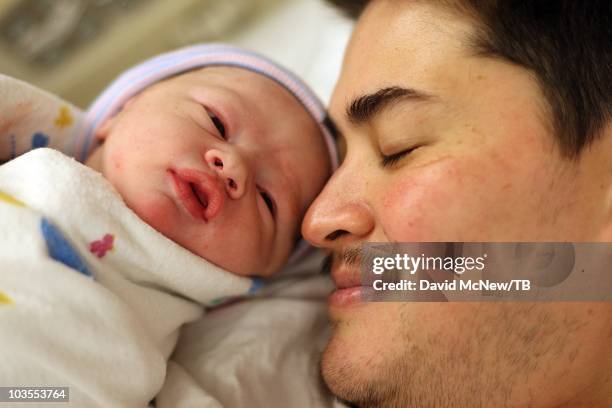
[344,275]
[200,193]
[345,272]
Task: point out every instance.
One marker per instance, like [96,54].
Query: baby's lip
[200,193]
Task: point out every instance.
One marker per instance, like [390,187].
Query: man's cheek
[418,205]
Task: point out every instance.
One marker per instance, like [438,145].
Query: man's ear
[606,232]
[607,227]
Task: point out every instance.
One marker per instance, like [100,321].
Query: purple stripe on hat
[185,59]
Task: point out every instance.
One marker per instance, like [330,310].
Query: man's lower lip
[347,297]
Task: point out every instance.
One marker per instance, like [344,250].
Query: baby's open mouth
[201,194]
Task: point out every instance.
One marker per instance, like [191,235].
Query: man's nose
[340,215]
[231,167]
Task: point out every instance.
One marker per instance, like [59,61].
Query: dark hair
[567,44]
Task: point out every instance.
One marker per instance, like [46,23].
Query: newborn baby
[222,160]
[217,149]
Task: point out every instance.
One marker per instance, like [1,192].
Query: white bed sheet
[260,352]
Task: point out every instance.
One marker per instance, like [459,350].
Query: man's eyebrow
[365,107]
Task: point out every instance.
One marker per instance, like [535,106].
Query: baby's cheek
[116,162]
[158,212]
[116,151]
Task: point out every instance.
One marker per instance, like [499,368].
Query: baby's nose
[231,168]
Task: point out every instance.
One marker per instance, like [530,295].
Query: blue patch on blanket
[60,249]
[256,286]
[39,139]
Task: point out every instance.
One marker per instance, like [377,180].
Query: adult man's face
[484,167]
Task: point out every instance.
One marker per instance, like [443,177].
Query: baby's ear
[107,126]
[105,129]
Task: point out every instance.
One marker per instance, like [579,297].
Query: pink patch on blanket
[100,247]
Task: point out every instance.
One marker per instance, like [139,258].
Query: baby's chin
[157,213]
[160,213]
[241,266]
[247,265]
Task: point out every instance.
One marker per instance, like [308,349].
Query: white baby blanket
[32,118]
[93,297]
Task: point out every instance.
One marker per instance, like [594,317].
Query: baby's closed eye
[269,201]
[218,123]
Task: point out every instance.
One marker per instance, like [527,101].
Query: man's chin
[351,363]
[341,374]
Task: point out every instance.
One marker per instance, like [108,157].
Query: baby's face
[221,160]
